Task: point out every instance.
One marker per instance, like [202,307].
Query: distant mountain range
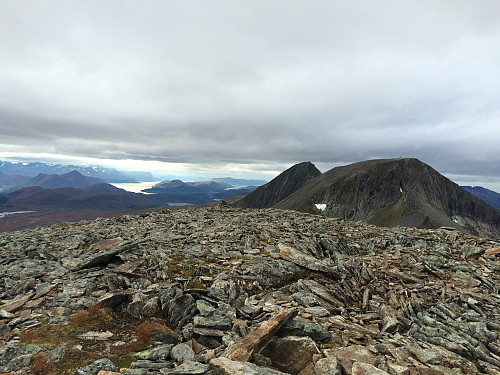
[212,190]
[72,179]
[238,182]
[14,174]
[106,174]
[72,196]
[386,192]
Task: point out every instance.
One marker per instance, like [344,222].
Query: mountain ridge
[280,187]
[73,179]
[395,192]
[32,169]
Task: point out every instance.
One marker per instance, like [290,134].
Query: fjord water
[136,187]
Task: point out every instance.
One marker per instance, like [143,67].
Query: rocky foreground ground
[230,291]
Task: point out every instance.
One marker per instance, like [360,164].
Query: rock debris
[229,291]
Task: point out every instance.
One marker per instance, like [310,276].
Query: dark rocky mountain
[106,174]
[489,196]
[395,192]
[280,187]
[72,179]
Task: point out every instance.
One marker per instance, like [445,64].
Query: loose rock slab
[255,340]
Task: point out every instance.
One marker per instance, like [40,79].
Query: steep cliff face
[396,192]
[280,187]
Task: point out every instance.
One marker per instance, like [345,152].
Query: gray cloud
[257,83]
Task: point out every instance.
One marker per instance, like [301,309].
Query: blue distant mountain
[489,196]
[106,174]
[211,190]
[185,188]
[8,181]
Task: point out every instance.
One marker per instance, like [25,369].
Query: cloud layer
[254,82]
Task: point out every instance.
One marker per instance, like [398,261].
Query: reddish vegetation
[148,329]
[40,365]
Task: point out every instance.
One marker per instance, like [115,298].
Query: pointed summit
[280,187]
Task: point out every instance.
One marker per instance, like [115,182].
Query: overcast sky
[252,87]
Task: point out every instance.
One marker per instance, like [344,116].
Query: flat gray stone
[214,321]
[182,353]
[328,366]
[188,368]
[155,354]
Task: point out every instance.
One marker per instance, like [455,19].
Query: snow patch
[320,206]
[3,214]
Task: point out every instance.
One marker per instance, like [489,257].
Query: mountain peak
[280,187]
[395,192]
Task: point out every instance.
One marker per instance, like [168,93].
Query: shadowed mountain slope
[8,181]
[395,192]
[73,179]
[487,195]
[280,187]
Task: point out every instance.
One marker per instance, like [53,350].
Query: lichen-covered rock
[18,357]
[155,354]
[96,366]
[56,354]
[187,368]
[327,366]
[301,327]
[182,353]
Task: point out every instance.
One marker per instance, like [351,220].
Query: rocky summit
[395,192]
[280,187]
[230,291]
